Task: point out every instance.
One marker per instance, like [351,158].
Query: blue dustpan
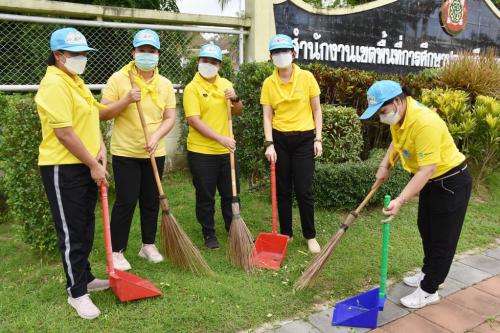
[362,310]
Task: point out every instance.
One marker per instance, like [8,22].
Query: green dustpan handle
[385,252]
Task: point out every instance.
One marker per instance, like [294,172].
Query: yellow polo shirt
[127,137]
[291,101]
[423,139]
[207,100]
[60,104]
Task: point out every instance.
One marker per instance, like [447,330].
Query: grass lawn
[33,297]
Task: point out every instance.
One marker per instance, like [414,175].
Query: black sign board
[400,37]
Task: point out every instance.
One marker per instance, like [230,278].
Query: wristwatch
[268,143]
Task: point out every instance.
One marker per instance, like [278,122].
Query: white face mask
[207,70]
[76,65]
[282,60]
[391,118]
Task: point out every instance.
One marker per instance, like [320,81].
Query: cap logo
[372,100]
[280,40]
[75,38]
[211,50]
[146,36]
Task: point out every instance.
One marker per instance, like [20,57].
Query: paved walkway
[470,302]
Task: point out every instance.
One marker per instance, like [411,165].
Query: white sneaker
[84,307]
[419,298]
[313,245]
[150,253]
[97,285]
[119,262]
[414,280]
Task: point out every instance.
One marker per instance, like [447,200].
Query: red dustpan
[126,286]
[270,248]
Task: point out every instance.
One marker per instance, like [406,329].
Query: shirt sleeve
[56,100]
[428,145]
[264,94]
[170,101]
[110,91]
[313,86]
[191,102]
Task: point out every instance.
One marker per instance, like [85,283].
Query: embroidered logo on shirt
[406,154]
[422,155]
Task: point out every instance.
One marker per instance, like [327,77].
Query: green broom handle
[385,252]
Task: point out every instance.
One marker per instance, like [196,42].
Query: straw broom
[315,267]
[174,242]
[241,244]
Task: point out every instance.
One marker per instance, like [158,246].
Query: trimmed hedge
[344,186]
[19,140]
[21,182]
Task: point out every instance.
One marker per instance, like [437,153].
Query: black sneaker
[211,242]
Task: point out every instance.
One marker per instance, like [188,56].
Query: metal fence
[24,48]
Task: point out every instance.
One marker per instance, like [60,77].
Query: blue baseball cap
[146,37]
[280,41]
[69,39]
[379,93]
[210,51]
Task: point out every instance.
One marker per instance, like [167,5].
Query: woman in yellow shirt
[208,141]
[292,128]
[134,179]
[427,150]
[72,160]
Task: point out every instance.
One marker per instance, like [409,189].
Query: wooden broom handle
[374,189]
[146,136]
[231,154]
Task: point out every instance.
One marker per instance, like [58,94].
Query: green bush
[21,183]
[344,186]
[26,200]
[342,136]
[248,128]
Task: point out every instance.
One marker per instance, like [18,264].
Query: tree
[167,5]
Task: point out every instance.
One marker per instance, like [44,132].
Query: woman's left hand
[229,93]
[392,209]
[318,149]
[152,144]
[102,156]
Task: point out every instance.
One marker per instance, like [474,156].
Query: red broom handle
[107,232]
[273,195]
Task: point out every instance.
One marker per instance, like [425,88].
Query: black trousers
[134,181]
[72,196]
[294,173]
[211,172]
[441,212]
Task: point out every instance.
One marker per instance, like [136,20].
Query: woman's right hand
[228,142]
[99,174]
[134,95]
[271,154]
[382,174]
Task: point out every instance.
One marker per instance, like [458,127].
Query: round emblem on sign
[454,16]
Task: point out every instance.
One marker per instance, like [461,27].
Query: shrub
[21,182]
[477,75]
[342,136]
[248,128]
[344,186]
[26,200]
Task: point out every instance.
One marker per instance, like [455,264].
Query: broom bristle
[177,246]
[241,244]
[312,271]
